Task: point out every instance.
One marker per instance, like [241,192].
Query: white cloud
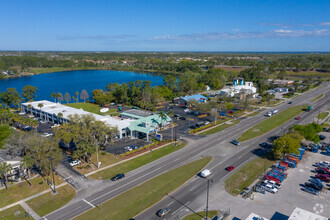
[242,35]
[95,37]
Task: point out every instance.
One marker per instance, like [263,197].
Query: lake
[72,81]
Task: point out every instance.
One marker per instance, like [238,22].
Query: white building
[50,111]
[239,87]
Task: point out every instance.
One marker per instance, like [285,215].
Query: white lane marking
[170,203]
[88,203]
[158,168]
[192,189]
[67,177]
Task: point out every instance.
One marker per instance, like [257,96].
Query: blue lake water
[72,81]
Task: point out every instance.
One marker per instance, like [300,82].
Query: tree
[84,95]
[27,164]
[59,115]
[59,97]
[11,97]
[289,143]
[77,95]
[54,95]
[67,97]
[30,108]
[163,117]
[28,92]
[40,105]
[4,169]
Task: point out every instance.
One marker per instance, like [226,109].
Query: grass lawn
[197,216]
[104,157]
[253,114]
[134,201]
[89,107]
[271,123]
[219,128]
[323,115]
[246,175]
[23,190]
[136,162]
[317,97]
[9,214]
[48,202]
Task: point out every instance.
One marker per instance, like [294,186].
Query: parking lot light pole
[207,198]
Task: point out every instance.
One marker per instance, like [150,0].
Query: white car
[271,188]
[187,110]
[128,148]
[206,122]
[325,164]
[205,173]
[75,163]
[273,183]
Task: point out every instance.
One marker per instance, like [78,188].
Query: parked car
[230,168]
[206,122]
[118,177]
[289,102]
[322,171]
[235,142]
[313,185]
[298,118]
[271,188]
[182,118]
[316,181]
[187,110]
[134,147]
[322,137]
[325,164]
[128,148]
[163,212]
[311,190]
[273,183]
[323,177]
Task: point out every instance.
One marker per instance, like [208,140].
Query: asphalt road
[193,150]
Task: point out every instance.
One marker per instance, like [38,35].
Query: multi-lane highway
[106,190]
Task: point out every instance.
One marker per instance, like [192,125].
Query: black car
[321,171]
[263,144]
[183,118]
[312,185]
[322,137]
[289,102]
[118,176]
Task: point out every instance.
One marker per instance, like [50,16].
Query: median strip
[134,201]
[271,123]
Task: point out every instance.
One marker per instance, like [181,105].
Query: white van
[274,111]
[205,173]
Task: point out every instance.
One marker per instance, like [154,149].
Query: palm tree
[27,163]
[4,169]
[54,95]
[30,107]
[40,105]
[59,115]
[163,117]
[77,94]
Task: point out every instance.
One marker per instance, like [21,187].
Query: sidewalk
[30,211]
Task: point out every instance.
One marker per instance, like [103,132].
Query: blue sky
[165,25]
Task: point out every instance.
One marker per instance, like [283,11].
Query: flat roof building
[50,112]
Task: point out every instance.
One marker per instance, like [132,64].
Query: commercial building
[239,87]
[132,123]
[184,100]
[50,111]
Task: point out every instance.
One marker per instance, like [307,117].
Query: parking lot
[118,146]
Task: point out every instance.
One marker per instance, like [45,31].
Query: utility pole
[207,199]
[318,116]
[51,163]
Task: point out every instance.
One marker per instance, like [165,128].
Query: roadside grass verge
[246,175]
[134,201]
[136,162]
[317,97]
[197,216]
[23,190]
[104,157]
[253,114]
[219,128]
[48,202]
[14,213]
[271,123]
[323,115]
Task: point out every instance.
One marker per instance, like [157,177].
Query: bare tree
[84,95]
[59,97]
[67,97]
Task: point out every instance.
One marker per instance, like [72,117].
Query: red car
[298,118]
[323,177]
[230,168]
